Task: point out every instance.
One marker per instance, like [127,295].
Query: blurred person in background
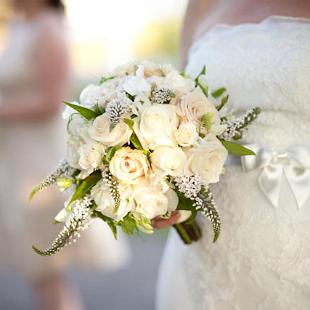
[34,78]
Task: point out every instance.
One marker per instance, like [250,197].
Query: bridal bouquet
[144,142]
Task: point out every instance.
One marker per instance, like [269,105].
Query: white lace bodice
[266,65]
[262,258]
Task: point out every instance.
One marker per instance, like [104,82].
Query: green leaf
[111,223]
[129,122]
[134,138]
[128,225]
[207,120]
[84,187]
[219,92]
[87,113]
[224,100]
[111,153]
[236,149]
[104,79]
[202,72]
[136,142]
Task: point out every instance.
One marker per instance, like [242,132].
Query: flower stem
[188,231]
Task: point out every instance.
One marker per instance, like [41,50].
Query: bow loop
[293,164]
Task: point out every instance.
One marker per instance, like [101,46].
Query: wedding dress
[262,259]
[30,150]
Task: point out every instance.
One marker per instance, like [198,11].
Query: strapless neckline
[271,18]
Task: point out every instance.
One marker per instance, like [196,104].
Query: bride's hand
[159,222]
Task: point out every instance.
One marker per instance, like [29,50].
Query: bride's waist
[278,130]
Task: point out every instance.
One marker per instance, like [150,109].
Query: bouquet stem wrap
[188,231]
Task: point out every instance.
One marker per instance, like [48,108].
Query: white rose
[105,203]
[129,165]
[137,84]
[194,105]
[90,157]
[90,95]
[151,201]
[157,124]
[100,131]
[78,128]
[169,159]
[187,134]
[175,82]
[72,155]
[207,160]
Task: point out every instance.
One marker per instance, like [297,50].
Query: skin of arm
[51,63]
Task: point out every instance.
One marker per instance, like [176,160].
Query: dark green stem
[188,231]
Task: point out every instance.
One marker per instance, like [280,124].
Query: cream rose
[105,203]
[194,105]
[156,125]
[187,134]
[100,131]
[169,159]
[150,200]
[129,165]
[207,160]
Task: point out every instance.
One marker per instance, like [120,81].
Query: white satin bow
[294,164]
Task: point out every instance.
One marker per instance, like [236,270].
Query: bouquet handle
[189,231]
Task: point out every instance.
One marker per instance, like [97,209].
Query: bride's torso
[263,64]
[262,247]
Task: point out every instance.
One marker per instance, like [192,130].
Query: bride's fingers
[159,222]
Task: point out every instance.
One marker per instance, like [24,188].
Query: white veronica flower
[156,125]
[137,84]
[207,160]
[187,134]
[101,131]
[171,160]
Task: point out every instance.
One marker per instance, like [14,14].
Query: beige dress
[28,152]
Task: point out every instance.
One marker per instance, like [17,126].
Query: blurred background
[101,34]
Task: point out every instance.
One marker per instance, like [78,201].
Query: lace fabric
[262,258]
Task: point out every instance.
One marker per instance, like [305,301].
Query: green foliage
[202,72]
[218,92]
[207,120]
[134,138]
[111,223]
[144,224]
[128,225]
[111,153]
[105,79]
[85,112]
[236,149]
[85,187]
[64,183]
[129,122]
[224,100]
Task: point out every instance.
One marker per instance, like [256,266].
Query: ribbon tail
[270,183]
[299,182]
